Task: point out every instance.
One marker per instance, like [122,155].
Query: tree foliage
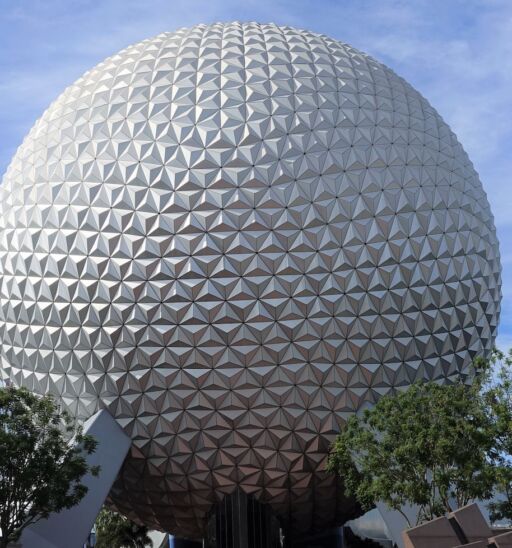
[426,446]
[115,531]
[40,471]
[498,397]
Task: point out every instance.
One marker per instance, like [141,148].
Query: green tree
[115,531]
[501,508]
[40,471]
[425,446]
[498,397]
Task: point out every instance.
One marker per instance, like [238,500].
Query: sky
[457,53]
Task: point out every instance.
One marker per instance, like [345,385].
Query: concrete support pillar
[70,528]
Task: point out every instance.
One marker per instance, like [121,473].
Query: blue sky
[458,53]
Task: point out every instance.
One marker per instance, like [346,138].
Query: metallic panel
[232,237]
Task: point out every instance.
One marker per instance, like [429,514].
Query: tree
[426,446]
[501,508]
[40,471]
[115,531]
[498,397]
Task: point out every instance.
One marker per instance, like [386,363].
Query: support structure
[331,538]
[240,521]
[70,528]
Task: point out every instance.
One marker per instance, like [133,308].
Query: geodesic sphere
[232,237]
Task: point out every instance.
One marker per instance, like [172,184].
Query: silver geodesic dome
[232,237]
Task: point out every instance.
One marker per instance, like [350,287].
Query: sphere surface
[232,237]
